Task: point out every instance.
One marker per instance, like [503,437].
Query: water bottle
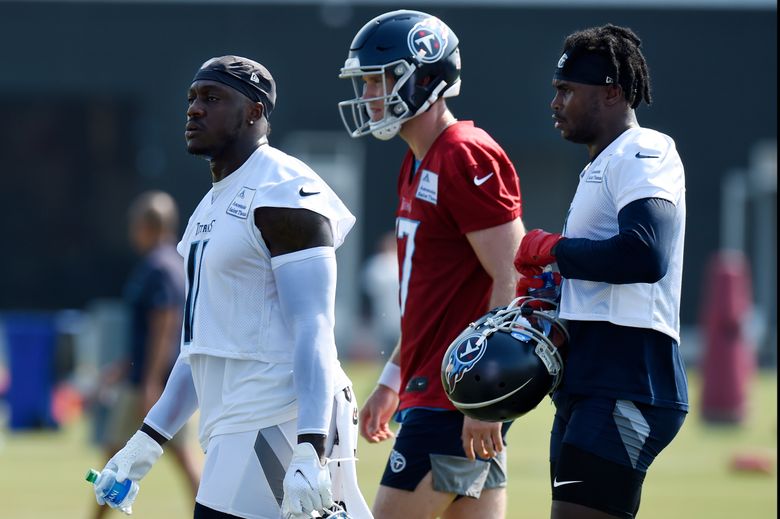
[116,494]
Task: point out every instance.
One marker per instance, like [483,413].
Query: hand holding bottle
[109,491]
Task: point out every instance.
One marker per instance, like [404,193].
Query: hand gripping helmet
[502,365]
[418,51]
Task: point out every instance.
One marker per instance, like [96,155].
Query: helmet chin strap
[387,132]
[431,98]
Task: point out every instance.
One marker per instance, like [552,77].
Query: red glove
[535,251]
[525,283]
[529,271]
[529,286]
[525,286]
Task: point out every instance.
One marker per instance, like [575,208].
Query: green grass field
[42,474]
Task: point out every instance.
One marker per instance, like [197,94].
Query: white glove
[136,458]
[306,484]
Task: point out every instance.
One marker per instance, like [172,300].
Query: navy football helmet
[418,51]
[502,365]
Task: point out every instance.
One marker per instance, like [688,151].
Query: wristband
[153,434]
[391,376]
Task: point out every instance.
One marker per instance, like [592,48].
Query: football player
[258,357]
[458,209]
[624,394]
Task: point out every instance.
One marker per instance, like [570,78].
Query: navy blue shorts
[430,441]
[601,448]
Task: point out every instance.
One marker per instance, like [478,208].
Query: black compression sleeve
[639,253]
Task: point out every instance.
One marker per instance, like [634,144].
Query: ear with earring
[251,122]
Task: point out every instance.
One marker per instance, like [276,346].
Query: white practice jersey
[640,163]
[233,334]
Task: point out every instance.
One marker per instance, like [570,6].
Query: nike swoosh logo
[640,156]
[557,483]
[479,181]
[307,193]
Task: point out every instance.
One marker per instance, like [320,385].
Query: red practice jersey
[465,183]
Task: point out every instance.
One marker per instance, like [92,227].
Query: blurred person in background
[380,283]
[154,295]
[624,394]
[458,210]
[258,355]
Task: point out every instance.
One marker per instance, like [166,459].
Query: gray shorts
[430,441]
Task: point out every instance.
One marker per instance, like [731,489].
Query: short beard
[587,131]
[210,153]
[202,153]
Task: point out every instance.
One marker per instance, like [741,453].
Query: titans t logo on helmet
[427,40]
[463,358]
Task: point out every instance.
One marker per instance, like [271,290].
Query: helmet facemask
[396,100]
[356,113]
[524,321]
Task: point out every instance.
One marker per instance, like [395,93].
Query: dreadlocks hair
[621,46]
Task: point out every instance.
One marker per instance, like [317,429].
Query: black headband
[244,75]
[580,65]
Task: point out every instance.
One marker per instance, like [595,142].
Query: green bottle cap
[92,475]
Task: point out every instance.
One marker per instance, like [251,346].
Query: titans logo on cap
[428,39]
